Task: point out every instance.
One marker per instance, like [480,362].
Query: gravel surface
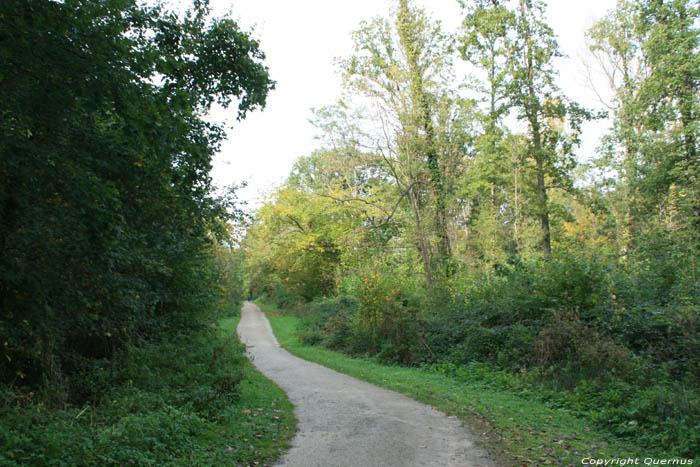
[345,422]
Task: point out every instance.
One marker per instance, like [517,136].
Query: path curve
[345,422]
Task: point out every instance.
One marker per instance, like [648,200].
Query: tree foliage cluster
[446,220]
[109,220]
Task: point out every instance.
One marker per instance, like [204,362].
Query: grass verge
[193,400]
[515,426]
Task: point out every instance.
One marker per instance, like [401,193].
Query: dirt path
[347,422]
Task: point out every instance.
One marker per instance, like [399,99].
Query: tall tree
[671,92]
[530,88]
[413,44]
[648,51]
[615,44]
[403,65]
[488,184]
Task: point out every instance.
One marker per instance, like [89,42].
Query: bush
[326,321]
[376,315]
[567,343]
[572,331]
[149,406]
[666,335]
[653,412]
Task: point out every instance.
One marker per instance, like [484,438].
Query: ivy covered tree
[402,65]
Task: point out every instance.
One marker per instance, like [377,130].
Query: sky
[302,38]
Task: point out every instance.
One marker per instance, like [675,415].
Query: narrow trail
[345,422]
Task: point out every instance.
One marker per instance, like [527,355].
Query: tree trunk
[543,212]
[422,244]
[532,112]
[421,105]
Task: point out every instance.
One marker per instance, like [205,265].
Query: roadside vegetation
[519,420]
[453,226]
[188,400]
[116,258]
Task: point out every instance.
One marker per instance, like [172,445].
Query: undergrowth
[527,413]
[616,346]
[188,400]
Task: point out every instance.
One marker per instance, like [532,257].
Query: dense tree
[648,51]
[670,96]
[296,244]
[105,198]
[490,196]
[616,46]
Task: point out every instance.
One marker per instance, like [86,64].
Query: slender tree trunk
[543,199]
[533,117]
[516,205]
[422,244]
[629,217]
[545,241]
[692,169]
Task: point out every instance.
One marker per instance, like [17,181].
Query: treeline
[111,236]
[446,222]
[116,260]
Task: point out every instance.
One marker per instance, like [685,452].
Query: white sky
[301,38]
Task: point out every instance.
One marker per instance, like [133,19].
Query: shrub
[326,321]
[666,335]
[568,343]
[376,315]
[150,406]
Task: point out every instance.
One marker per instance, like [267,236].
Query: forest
[445,223]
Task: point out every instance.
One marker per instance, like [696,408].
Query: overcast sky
[301,39]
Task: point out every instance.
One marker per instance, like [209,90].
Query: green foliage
[648,51]
[642,405]
[388,330]
[295,247]
[327,321]
[374,314]
[386,316]
[655,413]
[562,325]
[105,197]
[431,230]
[526,414]
[185,401]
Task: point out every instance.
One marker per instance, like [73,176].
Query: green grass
[191,400]
[513,424]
